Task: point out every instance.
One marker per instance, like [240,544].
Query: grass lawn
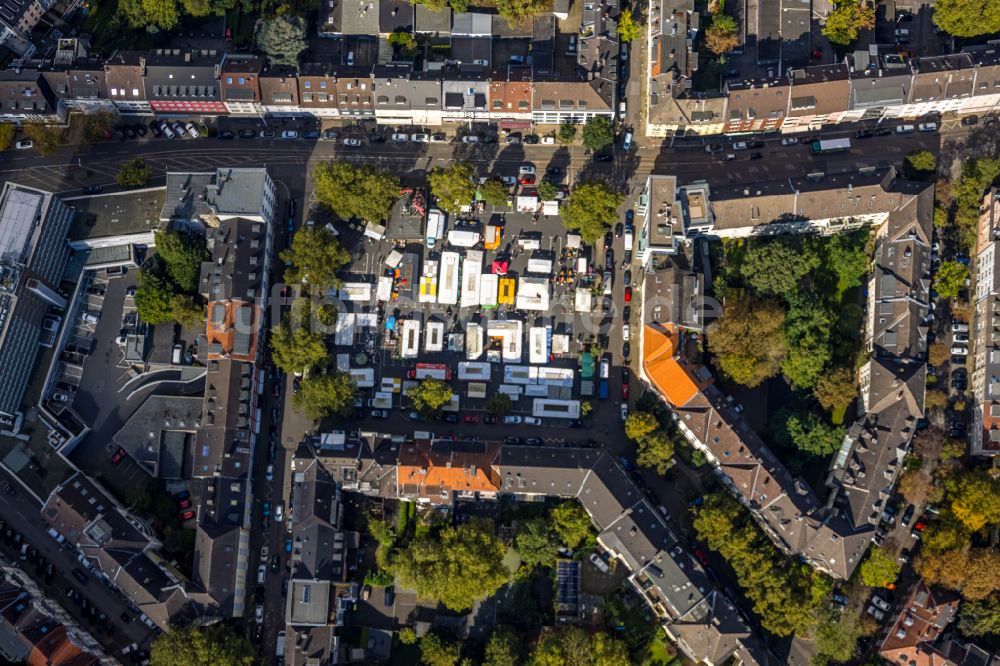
[660,653]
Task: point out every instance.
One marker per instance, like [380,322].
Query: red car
[624,391]
[186,515]
[411,374]
[701,556]
[471,419]
[528,179]
[185,504]
[118,456]
[491,419]
[628,294]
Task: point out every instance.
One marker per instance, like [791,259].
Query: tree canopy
[202,646]
[980,618]
[499,404]
[967,18]
[328,394]
[134,173]
[453,185]
[848,19]
[47,139]
[355,191]
[571,522]
[160,14]
[975,572]
[835,636]
[628,29]
[575,646]
[920,165]
[879,569]
[436,650]
[185,310]
[722,34]
[429,396]
[457,567]
[296,349]
[655,451]
[503,648]
[517,11]
[949,280]
[783,592]
[777,266]
[747,341]
[283,39]
[314,258]
[182,255]
[153,296]
[567,132]
[494,192]
[536,542]
[975,499]
[591,209]
[835,389]
[547,191]
[6,136]
[639,424]
[807,432]
[598,133]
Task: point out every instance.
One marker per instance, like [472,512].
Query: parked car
[532,420]
[876,613]
[352,143]
[379,413]
[450,418]
[470,138]
[905,129]
[881,603]
[512,420]
[399,137]
[959,350]
[80,576]
[624,411]
[258,614]
[790,141]
[24,144]
[420,137]
[864,134]
[118,456]
[265,552]
[267,134]
[471,419]
[366,592]
[740,145]
[628,294]
[970,120]
[289,134]
[599,562]
[329,135]
[928,127]
[246,134]
[714,148]
[390,596]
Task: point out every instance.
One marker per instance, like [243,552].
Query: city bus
[830,146]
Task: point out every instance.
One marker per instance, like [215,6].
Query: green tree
[575,646]
[517,11]
[547,191]
[134,173]
[776,267]
[185,311]
[974,572]
[158,14]
[950,279]
[835,636]
[722,35]
[598,133]
[403,40]
[747,341]
[494,192]
[980,618]
[628,29]
[567,132]
[879,569]
[536,542]
[97,126]
[202,646]
[845,256]
[454,185]
[920,165]
[297,349]
[429,396]
[329,394]
[499,404]
[47,138]
[503,648]
[655,451]
[182,256]
[848,19]
[283,39]
[571,522]
[435,650]
[355,191]
[591,209]
[975,499]
[639,424]
[314,258]
[967,18]
[6,136]
[153,298]
[835,389]
[808,432]
[458,567]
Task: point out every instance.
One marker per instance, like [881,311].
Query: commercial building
[34,226]
[984,337]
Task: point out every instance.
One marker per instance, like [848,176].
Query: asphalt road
[22,513]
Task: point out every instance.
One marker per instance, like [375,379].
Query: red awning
[500,268]
[515,124]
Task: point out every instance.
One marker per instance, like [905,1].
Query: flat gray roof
[106,215]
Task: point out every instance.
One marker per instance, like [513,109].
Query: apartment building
[34,225]
[25,96]
[17,19]
[984,336]
[239,83]
[866,85]
[319,597]
[918,635]
[700,619]
[893,380]
[834,536]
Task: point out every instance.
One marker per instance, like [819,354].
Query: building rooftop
[120,214]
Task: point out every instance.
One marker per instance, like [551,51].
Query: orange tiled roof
[671,379]
[224,330]
[429,471]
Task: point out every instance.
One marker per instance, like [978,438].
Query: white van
[628,239]
[905,129]
[90,317]
[178,352]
